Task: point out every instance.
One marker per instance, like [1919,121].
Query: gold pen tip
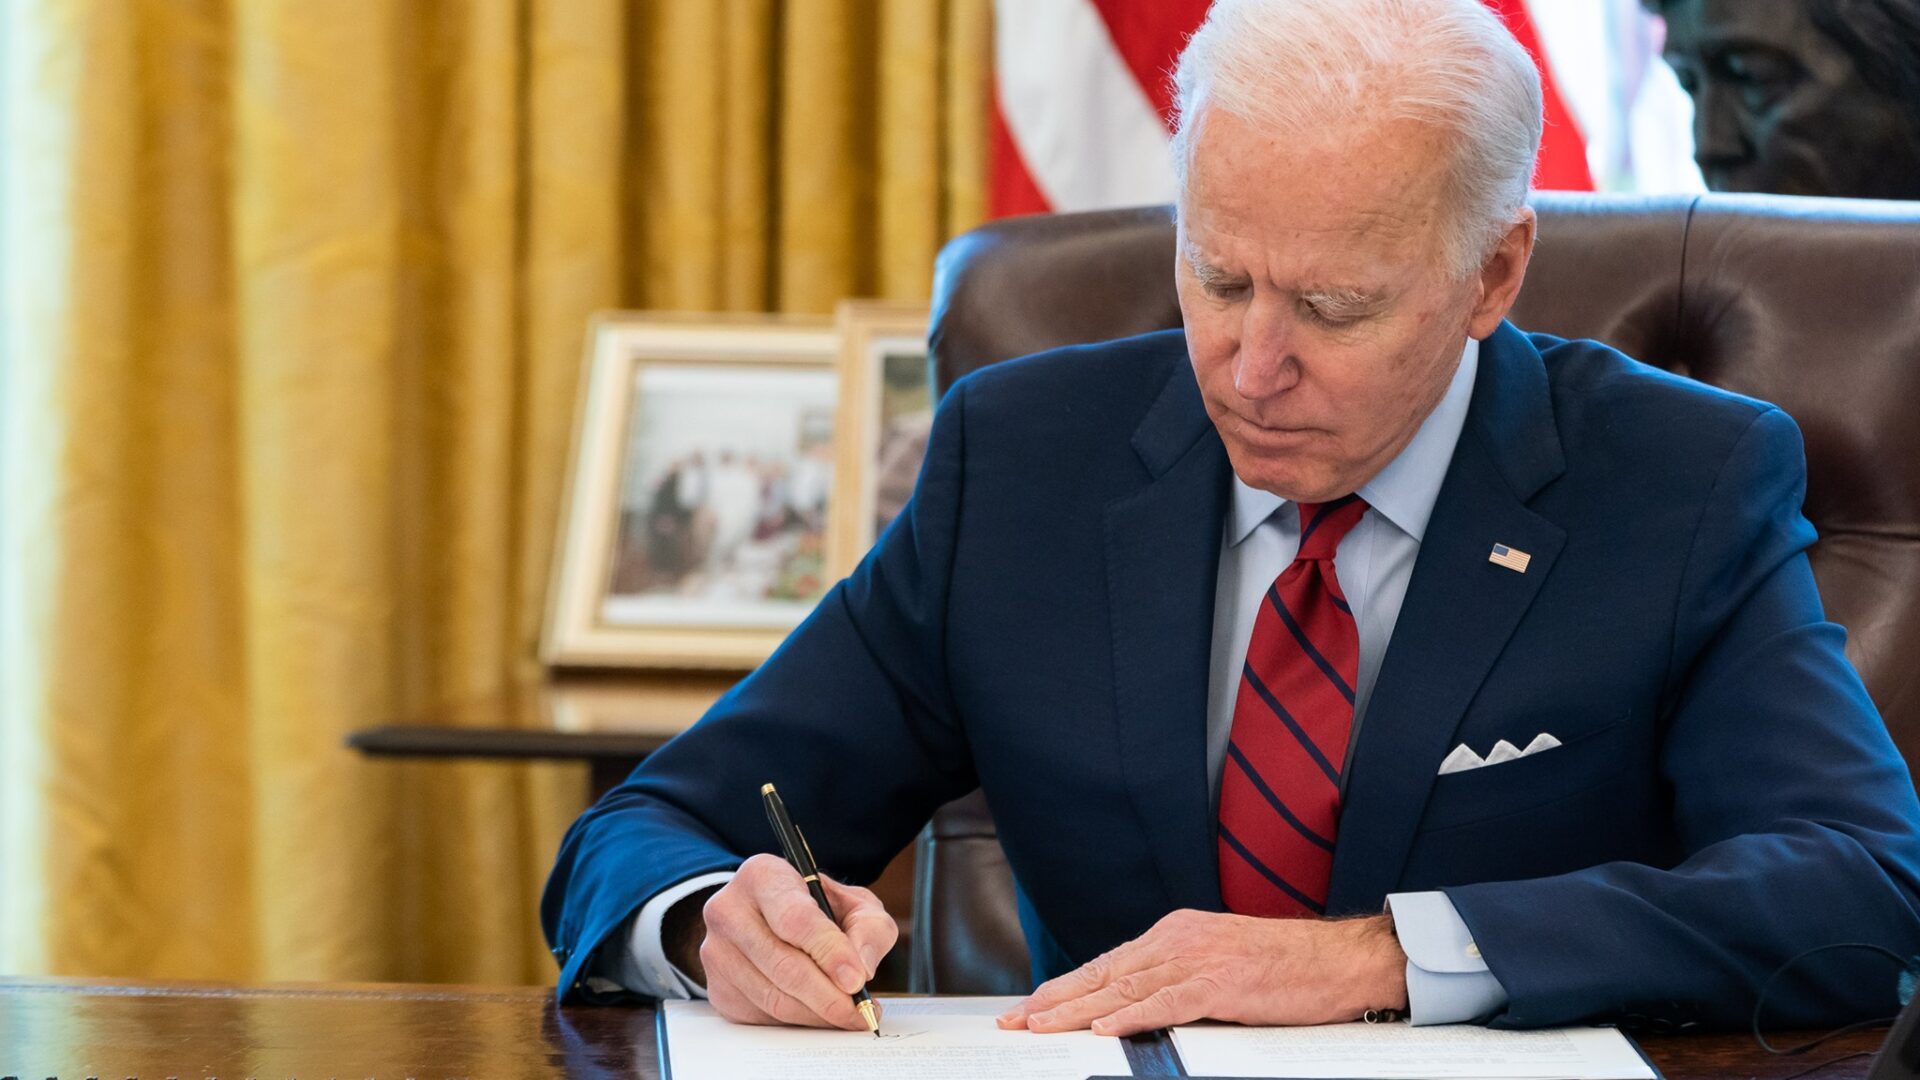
[866,1013]
[766,789]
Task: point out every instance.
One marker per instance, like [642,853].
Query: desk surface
[69,1028]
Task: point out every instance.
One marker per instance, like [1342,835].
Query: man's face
[1321,320]
[1780,107]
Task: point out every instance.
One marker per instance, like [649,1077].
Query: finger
[1124,990]
[1081,981]
[864,918]
[1178,1003]
[751,992]
[736,917]
[795,972]
[1139,953]
[795,918]
[723,988]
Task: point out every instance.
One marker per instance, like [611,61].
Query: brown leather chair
[1812,304]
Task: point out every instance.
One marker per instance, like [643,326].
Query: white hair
[1297,68]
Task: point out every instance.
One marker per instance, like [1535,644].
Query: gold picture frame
[886,412]
[698,526]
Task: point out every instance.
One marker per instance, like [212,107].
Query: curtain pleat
[293,299]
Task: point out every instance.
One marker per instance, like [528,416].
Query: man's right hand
[769,956]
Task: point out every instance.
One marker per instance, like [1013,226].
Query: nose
[1719,131]
[1266,363]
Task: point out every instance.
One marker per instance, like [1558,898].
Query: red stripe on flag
[1563,147]
[1010,186]
[1149,35]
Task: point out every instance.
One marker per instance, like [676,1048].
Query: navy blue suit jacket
[1038,621]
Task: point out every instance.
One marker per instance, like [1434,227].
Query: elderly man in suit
[1348,650]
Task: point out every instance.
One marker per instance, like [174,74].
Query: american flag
[1515,561]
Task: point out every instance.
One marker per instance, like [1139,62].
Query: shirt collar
[1404,491]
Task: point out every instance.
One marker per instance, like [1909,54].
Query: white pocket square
[1463,758]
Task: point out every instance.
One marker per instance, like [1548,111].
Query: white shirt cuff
[1447,980]
[642,965]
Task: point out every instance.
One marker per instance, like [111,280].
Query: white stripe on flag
[1639,136]
[1088,133]
[1513,560]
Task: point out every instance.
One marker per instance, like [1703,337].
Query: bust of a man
[1802,97]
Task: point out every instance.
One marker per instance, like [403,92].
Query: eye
[1757,65]
[1224,290]
[1685,73]
[1321,316]
[1761,76]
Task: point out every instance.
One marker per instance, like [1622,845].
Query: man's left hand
[1196,965]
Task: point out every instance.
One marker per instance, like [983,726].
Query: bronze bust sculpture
[1801,97]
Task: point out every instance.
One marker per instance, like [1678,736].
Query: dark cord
[1831,1035]
[1811,1069]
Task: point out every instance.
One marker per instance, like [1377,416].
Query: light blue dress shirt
[1447,982]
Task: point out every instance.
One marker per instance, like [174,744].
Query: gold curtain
[292,305]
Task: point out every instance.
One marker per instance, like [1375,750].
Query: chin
[1293,479]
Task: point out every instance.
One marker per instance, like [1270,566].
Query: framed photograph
[886,412]
[698,526]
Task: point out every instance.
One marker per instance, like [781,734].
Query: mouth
[1254,431]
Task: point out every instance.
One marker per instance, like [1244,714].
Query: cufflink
[1473,950]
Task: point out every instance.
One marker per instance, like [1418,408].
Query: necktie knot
[1324,525]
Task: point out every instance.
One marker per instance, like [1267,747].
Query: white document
[936,1038]
[1402,1050]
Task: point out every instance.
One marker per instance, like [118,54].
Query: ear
[1500,276]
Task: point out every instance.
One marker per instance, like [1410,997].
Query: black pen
[801,856]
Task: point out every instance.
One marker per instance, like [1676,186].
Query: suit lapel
[1163,551]
[1460,610]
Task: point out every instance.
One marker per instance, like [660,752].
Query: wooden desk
[73,1029]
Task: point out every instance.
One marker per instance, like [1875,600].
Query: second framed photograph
[886,412]
[698,527]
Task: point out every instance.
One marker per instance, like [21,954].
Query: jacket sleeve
[851,717]
[1796,816]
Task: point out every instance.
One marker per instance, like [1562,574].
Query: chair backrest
[1812,304]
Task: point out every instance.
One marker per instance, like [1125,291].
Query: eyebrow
[1728,40]
[1333,299]
[1208,273]
[1343,300]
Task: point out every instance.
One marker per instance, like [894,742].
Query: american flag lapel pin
[1510,558]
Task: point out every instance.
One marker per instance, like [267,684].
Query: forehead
[1369,195]
[1701,25]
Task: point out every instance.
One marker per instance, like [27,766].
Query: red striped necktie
[1280,790]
